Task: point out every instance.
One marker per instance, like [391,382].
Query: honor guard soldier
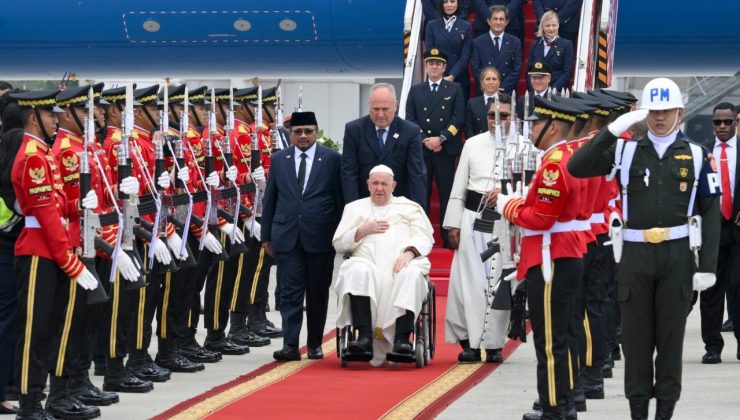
[438,107]
[551,251]
[666,182]
[47,268]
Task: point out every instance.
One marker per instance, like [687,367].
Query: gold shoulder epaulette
[31,148]
[65,143]
[555,156]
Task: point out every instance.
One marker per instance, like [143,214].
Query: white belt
[596,218]
[571,226]
[33,223]
[655,235]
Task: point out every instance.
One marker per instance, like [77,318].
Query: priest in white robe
[382,286]
[470,319]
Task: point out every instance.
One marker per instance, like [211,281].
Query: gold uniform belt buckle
[656,235]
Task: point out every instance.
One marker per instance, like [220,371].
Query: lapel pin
[319,159]
[288,157]
[395,135]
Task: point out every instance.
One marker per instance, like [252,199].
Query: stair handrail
[412,24]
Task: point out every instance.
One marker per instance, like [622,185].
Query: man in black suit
[438,106]
[382,138]
[498,49]
[301,209]
[516,16]
[711,301]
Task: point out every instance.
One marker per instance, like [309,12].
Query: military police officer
[665,180]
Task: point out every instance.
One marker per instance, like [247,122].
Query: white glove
[501,201]
[258,175]
[212,180]
[229,230]
[703,281]
[174,242]
[126,267]
[161,252]
[231,173]
[213,244]
[129,186]
[255,229]
[86,280]
[183,174]
[623,122]
[90,202]
[164,180]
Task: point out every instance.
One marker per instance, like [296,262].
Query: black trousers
[440,167]
[655,290]
[90,321]
[304,275]
[8,320]
[141,305]
[116,322]
[595,288]
[219,289]
[48,331]
[251,285]
[712,300]
[550,312]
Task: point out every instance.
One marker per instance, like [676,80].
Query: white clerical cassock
[369,272]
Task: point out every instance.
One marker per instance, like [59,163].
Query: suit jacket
[559,58]
[516,16]
[457,44]
[440,113]
[476,117]
[288,216]
[569,12]
[402,153]
[430,8]
[507,60]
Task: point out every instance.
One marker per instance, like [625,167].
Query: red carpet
[323,389]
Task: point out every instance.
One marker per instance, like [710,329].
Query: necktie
[495,42]
[381,143]
[726,189]
[302,172]
[434,87]
[488,103]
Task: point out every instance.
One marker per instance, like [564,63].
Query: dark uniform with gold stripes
[551,251]
[438,108]
[46,266]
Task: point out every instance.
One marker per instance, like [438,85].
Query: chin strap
[542,134]
[47,138]
[195,116]
[77,119]
[151,119]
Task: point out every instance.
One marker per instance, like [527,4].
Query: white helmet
[660,94]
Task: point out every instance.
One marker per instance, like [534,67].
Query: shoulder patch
[550,177]
[556,156]
[65,143]
[31,148]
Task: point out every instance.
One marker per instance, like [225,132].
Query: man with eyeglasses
[469,320]
[301,209]
[711,301]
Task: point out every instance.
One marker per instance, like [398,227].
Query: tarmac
[709,391]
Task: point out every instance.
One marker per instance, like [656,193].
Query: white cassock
[467,303]
[369,272]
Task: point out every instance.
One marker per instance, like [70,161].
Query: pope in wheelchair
[383,285]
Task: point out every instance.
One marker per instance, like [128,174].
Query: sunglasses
[726,122]
[304,131]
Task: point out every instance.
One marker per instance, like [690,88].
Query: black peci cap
[550,110]
[37,99]
[147,95]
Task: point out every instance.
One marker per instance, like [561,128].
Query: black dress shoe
[664,409]
[594,392]
[126,382]
[606,372]
[616,353]
[89,394]
[145,369]
[246,337]
[403,347]
[5,410]
[176,362]
[711,358]
[65,406]
[639,409]
[196,353]
[494,356]
[225,346]
[469,355]
[363,345]
[315,353]
[727,326]
[287,354]
[265,329]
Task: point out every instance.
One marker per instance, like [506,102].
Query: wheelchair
[423,338]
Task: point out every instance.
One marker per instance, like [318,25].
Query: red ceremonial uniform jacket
[553,197]
[589,191]
[110,145]
[39,190]
[66,150]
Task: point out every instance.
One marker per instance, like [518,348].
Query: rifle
[89,223]
[235,203]
[128,203]
[277,143]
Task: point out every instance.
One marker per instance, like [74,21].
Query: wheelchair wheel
[343,340]
[426,335]
[420,351]
[432,319]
